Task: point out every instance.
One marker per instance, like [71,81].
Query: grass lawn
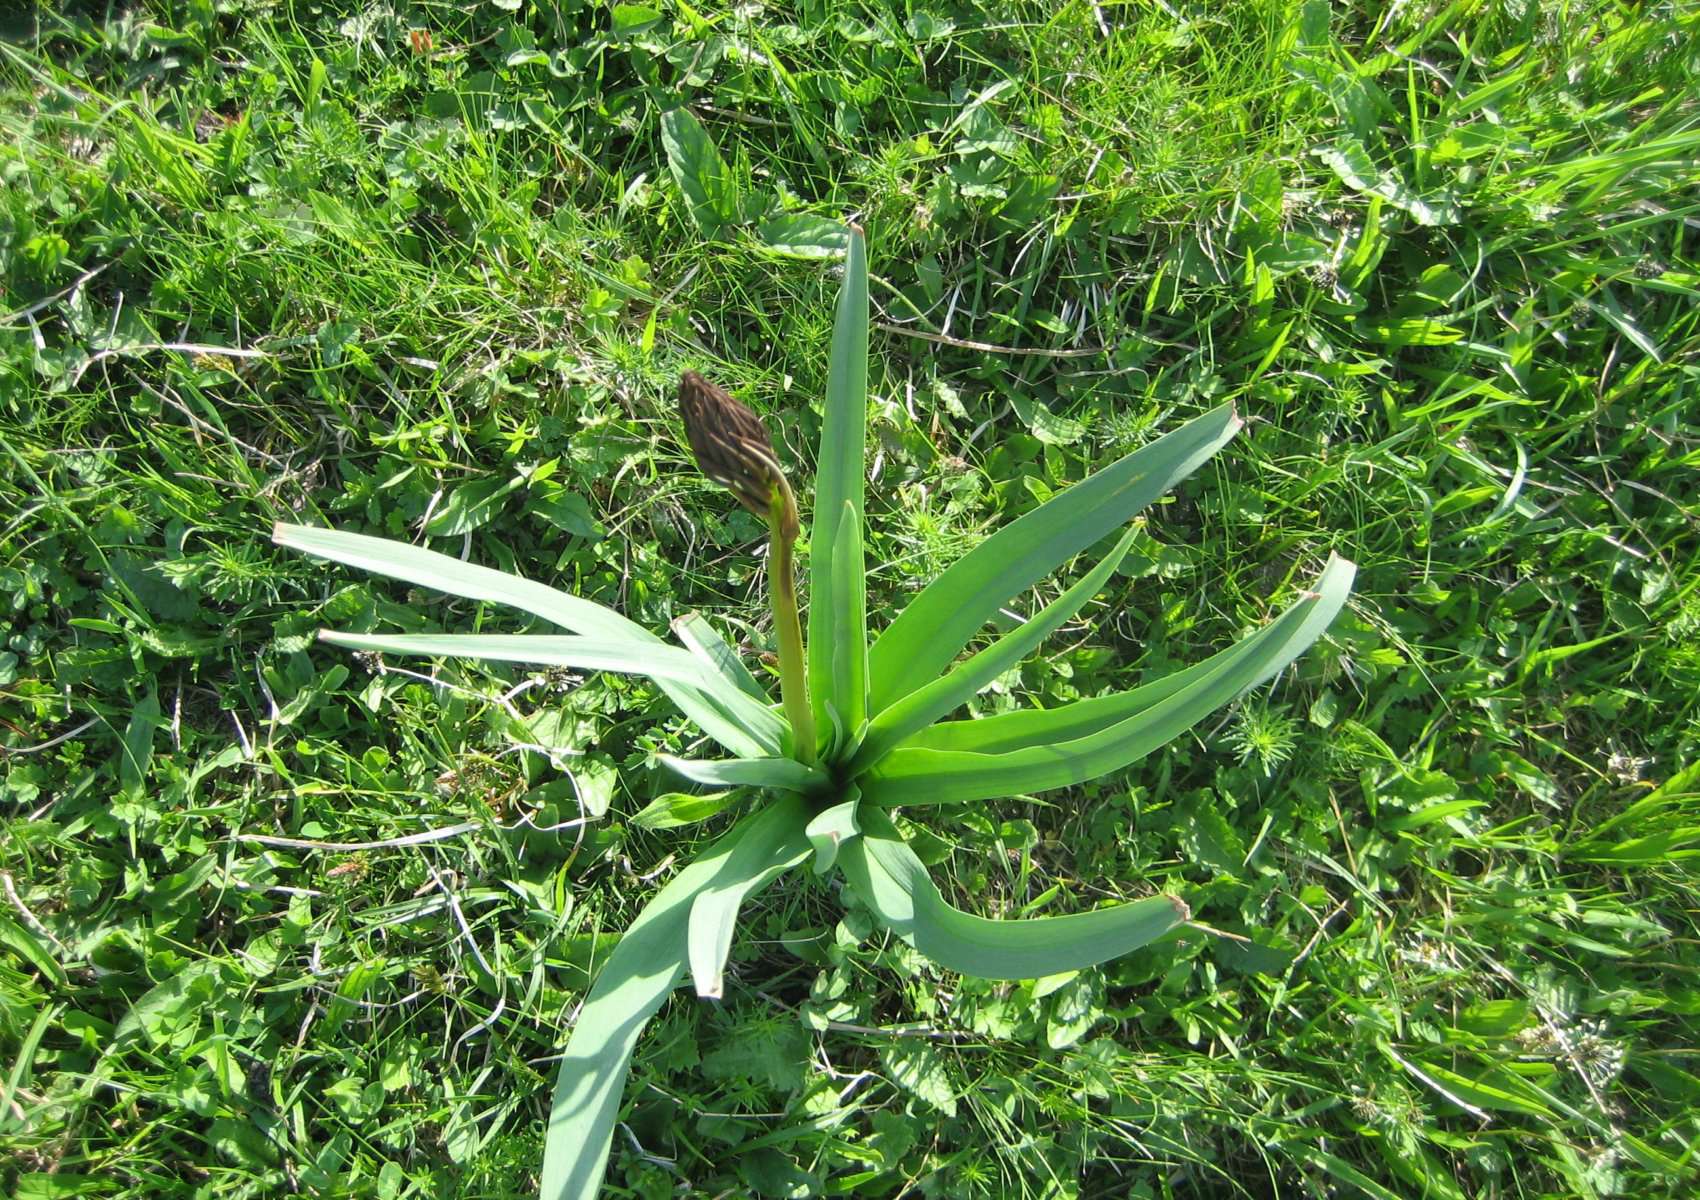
[280,919]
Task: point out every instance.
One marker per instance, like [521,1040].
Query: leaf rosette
[865,726]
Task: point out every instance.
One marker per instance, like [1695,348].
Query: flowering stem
[782,568]
[733,448]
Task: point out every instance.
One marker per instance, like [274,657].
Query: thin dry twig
[988,347]
[29,918]
[28,311]
[411,839]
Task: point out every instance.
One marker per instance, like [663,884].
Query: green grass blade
[784,774]
[831,828]
[698,636]
[743,727]
[838,482]
[916,647]
[927,776]
[1030,727]
[850,597]
[589,654]
[645,966]
[756,861]
[884,871]
[926,704]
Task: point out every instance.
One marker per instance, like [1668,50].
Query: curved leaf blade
[838,482]
[742,727]
[831,828]
[1029,727]
[926,704]
[428,568]
[920,775]
[643,969]
[589,654]
[917,646]
[756,861]
[884,871]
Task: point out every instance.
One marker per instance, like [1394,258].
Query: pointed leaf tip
[884,872]
[924,639]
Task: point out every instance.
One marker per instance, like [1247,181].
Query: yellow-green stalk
[732,448]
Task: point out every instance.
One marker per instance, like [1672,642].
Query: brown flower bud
[732,448]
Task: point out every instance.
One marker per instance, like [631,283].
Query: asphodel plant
[865,724]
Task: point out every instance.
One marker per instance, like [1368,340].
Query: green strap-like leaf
[588,654]
[755,862]
[838,482]
[925,705]
[831,828]
[942,619]
[785,774]
[1029,727]
[643,969]
[738,723]
[703,640]
[885,873]
[850,597]
[919,775]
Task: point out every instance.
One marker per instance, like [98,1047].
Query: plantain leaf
[472,506]
[676,810]
[801,235]
[755,862]
[926,704]
[838,482]
[742,726]
[639,974]
[948,612]
[885,873]
[703,640]
[832,828]
[785,774]
[710,192]
[921,775]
